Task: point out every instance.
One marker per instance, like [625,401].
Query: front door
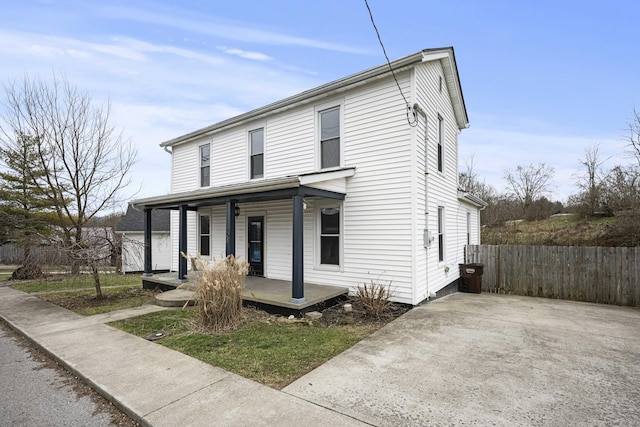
[256,246]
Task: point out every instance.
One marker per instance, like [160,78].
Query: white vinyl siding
[288,133]
[389,201]
[437,189]
[133,251]
[192,241]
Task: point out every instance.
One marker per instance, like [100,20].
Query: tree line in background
[601,192]
[63,165]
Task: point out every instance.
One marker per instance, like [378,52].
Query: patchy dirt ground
[336,315]
[88,301]
[118,418]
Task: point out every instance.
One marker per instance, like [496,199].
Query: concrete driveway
[489,359]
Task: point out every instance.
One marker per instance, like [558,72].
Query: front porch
[269,294]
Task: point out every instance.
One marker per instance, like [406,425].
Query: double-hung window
[440,144]
[440,234]
[330,235]
[330,138]
[256,156]
[204,231]
[205,165]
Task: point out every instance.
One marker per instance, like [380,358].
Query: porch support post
[148,270]
[182,244]
[297,281]
[231,228]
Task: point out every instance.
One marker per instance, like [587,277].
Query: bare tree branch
[85,161]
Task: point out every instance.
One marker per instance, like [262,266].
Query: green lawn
[83,281]
[265,351]
[5,273]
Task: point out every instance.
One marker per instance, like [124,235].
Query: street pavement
[33,395]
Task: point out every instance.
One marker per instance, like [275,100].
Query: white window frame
[318,235]
[201,167]
[249,150]
[440,157]
[200,234]
[318,114]
[441,231]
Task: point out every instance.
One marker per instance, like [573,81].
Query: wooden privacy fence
[609,275]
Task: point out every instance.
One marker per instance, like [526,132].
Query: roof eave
[329,88]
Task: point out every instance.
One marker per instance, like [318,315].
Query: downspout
[426,235]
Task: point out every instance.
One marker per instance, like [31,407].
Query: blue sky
[542,79]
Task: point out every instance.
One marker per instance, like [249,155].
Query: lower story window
[204,237]
[330,235]
[440,233]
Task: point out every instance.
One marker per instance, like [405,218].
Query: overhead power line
[411,123]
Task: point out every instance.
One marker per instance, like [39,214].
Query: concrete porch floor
[267,293]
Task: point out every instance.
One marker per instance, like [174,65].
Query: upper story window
[440,144]
[330,138]
[205,165]
[256,155]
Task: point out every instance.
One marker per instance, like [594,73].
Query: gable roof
[444,55]
[133,220]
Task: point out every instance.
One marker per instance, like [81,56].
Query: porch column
[231,228]
[297,280]
[148,269]
[182,243]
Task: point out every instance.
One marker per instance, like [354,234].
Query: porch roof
[263,190]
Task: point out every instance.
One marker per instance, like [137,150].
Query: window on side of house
[440,144]
[468,228]
[204,235]
[330,138]
[330,235]
[256,156]
[205,165]
[440,233]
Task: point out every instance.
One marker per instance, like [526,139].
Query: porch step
[175,298]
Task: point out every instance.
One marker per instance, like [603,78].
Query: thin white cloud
[256,56]
[228,30]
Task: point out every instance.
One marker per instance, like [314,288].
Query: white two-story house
[352,181]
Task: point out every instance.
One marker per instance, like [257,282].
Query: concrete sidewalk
[153,384]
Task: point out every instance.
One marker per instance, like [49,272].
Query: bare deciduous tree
[529,183]
[85,162]
[590,181]
[469,181]
[634,135]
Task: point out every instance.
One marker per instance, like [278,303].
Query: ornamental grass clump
[374,297]
[218,292]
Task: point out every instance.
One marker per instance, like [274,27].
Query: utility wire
[415,121]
